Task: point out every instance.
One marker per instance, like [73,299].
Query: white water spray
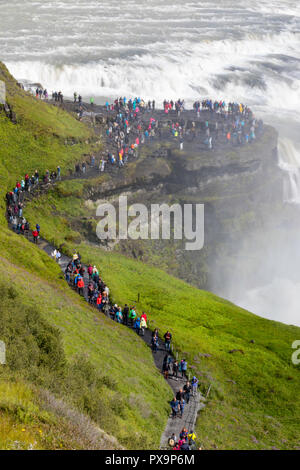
[289,161]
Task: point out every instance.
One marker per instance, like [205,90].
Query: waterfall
[289,161]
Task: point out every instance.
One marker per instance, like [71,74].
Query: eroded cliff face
[238,186]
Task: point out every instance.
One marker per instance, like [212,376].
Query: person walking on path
[175,369]
[195,382]
[181,406]
[80,285]
[143,325]
[35,235]
[125,314]
[174,407]
[187,391]
[168,339]
[166,366]
[183,368]
[155,343]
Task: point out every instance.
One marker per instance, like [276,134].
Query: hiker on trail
[168,339]
[92,101]
[125,314]
[175,369]
[137,325]
[166,366]
[183,367]
[75,97]
[80,285]
[174,407]
[58,173]
[183,434]
[192,440]
[181,406]
[172,440]
[155,344]
[155,332]
[181,143]
[58,256]
[90,271]
[119,316]
[102,165]
[185,446]
[143,325]
[98,299]
[187,391]
[144,316]
[132,316]
[105,308]
[192,436]
[195,382]
[180,395]
[68,272]
[35,235]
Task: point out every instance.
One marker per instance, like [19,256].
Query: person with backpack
[175,369]
[80,284]
[168,338]
[90,271]
[105,308]
[174,407]
[143,325]
[192,436]
[155,343]
[132,316]
[166,366]
[185,446]
[187,391]
[58,256]
[137,325]
[195,382]
[180,395]
[119,316]
[183,368]
[35,235]
[99,301]
[68,272]
[172,440]
[125,314]
[183,434]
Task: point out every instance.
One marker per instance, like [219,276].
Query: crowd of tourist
[129,124]
[134,122]
[15,198]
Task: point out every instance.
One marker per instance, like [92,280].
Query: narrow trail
[196,402]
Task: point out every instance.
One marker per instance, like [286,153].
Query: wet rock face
[237,185]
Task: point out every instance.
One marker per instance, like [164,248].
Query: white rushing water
[246,51]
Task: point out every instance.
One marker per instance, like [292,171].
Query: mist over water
[247,52]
